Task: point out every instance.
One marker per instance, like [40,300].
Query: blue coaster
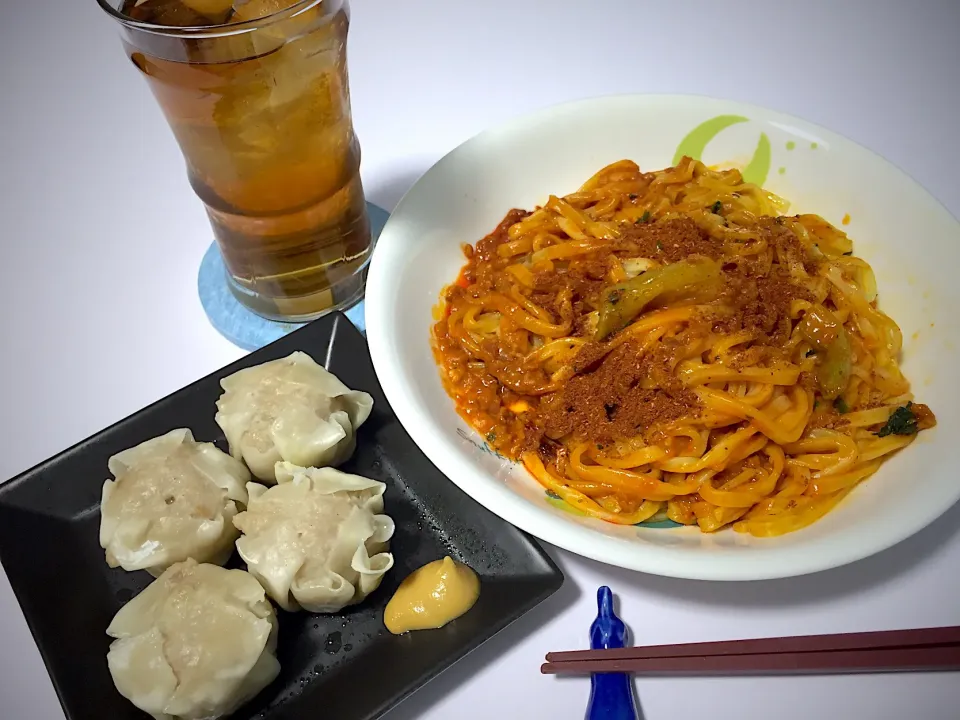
[243,327]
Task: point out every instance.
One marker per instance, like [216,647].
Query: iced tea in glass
[257,96]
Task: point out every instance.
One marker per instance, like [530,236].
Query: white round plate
[911,241]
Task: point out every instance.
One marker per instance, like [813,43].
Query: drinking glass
[256,94]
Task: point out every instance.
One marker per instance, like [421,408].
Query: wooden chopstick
[915,648]
[800,643]
[929,658]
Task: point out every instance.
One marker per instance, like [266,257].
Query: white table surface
[102,238]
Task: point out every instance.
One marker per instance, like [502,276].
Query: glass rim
[209,31]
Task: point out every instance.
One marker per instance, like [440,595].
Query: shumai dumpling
[291,410]
[317,540]
[172,498]
[198,642]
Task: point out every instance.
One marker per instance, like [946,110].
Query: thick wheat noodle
[752,429]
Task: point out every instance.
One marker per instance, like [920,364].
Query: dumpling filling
[290,410]
[196,643]
[173,498]
[318,539]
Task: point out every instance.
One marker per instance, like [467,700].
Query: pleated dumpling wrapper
[172,498]
[318,539]
[292,410]
[198,642]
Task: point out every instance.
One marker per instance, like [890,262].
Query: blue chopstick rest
[611,694]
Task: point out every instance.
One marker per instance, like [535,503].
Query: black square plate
[344,665]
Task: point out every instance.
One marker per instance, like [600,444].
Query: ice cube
[287,29]
[213,9]
[254,9]
[171,13]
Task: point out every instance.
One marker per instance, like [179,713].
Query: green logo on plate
[697,140]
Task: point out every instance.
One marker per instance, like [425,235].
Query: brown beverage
[263,119]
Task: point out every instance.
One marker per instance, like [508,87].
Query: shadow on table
[386,192]
[863,575]
[418,704]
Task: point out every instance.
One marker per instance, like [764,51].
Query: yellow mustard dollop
[432,596]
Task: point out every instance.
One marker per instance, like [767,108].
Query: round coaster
[244,327]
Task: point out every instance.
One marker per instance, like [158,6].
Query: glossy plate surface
[345,665]
[911,241]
